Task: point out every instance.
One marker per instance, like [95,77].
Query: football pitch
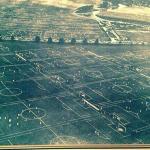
[74,94]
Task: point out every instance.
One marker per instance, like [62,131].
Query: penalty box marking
[40,113]
[126,89]
[10,92]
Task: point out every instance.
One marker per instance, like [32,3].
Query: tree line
[37,39]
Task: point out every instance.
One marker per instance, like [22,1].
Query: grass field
[41,87]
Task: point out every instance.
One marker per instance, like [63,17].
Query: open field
[130,13]
[138,12]
[25,21]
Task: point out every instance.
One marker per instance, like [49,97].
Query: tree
[73,41]
[1,39]
[50,40]
[85,41]
[104,4]
[115,2]
[37,39]
[61,41]
[96,41]
[12,38]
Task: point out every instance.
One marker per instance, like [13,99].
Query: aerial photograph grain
[74,72]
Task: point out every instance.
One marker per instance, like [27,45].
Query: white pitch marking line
[90,104]
[21,57]
[10,142]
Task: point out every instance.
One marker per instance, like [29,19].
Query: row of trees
[62,40]
[50,40]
